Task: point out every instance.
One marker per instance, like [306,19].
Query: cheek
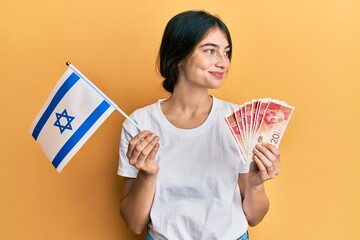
[194,67]
[205,64]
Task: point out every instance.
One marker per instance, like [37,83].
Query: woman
[195,185]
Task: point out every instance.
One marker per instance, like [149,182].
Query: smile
[218,75]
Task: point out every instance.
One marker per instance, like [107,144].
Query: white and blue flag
[71,114]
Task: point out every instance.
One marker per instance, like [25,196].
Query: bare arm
[255,201]
[137,200]
[139,192]
[266,165]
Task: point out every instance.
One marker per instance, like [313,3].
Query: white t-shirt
[197,194]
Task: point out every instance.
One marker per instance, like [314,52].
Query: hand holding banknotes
[266,164]
[258,127]
[142,151]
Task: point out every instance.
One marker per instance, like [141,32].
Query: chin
[215,87]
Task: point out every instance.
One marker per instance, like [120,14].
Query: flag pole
[105,97]
[111,102]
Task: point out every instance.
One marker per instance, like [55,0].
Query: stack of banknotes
[257,121]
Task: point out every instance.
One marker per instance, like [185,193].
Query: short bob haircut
[182,33]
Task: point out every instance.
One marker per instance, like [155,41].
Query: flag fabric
[71,114]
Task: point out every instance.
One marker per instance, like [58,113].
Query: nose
[222,62]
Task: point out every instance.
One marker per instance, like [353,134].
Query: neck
[190,97]
[187,110]
[190,101]
[190,104]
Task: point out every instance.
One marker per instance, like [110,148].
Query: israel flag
[71,114]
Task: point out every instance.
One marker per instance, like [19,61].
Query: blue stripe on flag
[65,87]
[76,137]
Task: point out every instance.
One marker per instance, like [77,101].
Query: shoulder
[143,112]
[143,117]
[224,106]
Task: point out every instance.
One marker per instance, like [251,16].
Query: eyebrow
[213,45]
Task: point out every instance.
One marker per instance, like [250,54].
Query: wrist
[148,174]
[255,187]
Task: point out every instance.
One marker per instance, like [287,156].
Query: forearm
[135,207]
[255,204]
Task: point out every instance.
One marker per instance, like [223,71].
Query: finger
[263,149]
[135,141]
[262,154]
[263,171]
[154,151]
[275,158]
[146,146]
[268,164]
[150,165]
[260,165]
[272,148]
[143,149]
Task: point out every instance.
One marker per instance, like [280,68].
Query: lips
[218,75]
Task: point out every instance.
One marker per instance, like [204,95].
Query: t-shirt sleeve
[244,167]
[124,168]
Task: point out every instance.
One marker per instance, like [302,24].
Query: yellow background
[305,52]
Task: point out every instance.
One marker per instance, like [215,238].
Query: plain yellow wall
[305,52]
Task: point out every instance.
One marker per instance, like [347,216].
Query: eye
[210,51]
[227,53]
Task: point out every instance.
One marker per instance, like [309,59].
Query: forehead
[214,35]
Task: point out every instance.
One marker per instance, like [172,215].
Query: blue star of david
[68,118]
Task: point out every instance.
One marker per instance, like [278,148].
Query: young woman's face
[208,64]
